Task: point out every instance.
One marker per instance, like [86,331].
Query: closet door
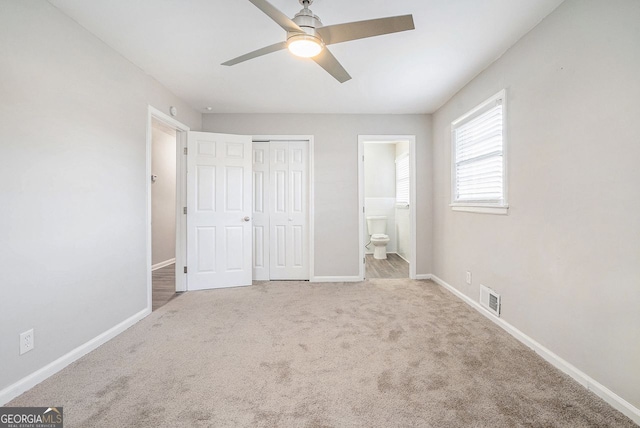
[261,214]
[289,212]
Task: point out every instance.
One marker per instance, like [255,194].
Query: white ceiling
[182,43]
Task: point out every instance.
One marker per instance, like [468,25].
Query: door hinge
[185,269]
[184,210]
[362,209]
[186,150]
[364,260]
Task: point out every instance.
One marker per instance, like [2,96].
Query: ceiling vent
[490,300]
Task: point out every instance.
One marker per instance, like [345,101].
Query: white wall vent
[490,300]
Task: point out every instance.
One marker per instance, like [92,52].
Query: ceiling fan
[308,38]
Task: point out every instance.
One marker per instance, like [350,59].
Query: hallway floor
[164,286]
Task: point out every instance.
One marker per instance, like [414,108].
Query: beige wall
[163,194]
[566,259]
[336,176]
[73,180]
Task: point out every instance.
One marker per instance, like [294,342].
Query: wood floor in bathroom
[393,267]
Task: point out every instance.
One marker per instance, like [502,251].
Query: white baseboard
[423,276]
[582,378]
[335,279]
[403,258]
[28,382]
[163,264]
[370,253]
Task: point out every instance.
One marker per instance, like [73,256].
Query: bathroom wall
[402,223]
[380,188]
[163,194]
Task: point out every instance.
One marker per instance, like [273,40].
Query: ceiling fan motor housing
[307,44]
[307,21]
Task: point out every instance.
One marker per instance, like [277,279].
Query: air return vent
[490,300]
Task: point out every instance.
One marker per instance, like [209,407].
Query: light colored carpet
[381,353]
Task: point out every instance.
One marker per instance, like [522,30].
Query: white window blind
[402,180]
[479,163]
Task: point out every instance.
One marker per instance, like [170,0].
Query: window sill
[481,209]
[402,206]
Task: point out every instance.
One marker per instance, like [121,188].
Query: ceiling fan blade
[326,60]
[266,50]
[280,18]
[339,33]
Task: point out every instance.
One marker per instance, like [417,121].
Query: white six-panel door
[219,206]
[261,228]
[288,217]
[281,210]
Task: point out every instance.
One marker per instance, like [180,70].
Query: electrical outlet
[468,277]
[26,341]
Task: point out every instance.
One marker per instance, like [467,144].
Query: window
[478,158]
[402,180]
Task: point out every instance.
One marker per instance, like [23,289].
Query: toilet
[377,226]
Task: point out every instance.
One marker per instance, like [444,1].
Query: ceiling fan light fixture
[304,45]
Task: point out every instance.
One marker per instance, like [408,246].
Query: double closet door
[281,210]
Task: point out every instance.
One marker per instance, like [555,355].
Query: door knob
[246,218]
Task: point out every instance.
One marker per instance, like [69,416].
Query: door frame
[309,139]
[181,197]
[411,139]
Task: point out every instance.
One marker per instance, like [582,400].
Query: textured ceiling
[182,43]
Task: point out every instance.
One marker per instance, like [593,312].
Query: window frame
[403,157]
[489,207]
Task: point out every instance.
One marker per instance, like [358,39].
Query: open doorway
[387,206]
[163,213]
[166,222]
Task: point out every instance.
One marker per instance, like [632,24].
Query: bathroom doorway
[387,206]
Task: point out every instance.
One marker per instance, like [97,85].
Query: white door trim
[181,197]
[309,138]
[411,139]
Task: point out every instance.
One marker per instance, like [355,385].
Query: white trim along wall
[578,375]
[163,264]
[28,382]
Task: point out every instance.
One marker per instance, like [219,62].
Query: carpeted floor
[381,353]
